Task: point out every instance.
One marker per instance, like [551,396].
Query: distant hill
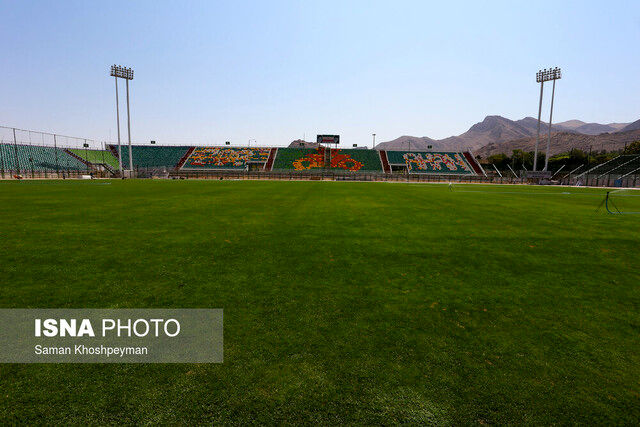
[564,141]
[631,126]
[492,129]
[589,128]
[414,143]
[571,124]
[498,129]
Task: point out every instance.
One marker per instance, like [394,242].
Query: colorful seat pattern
[369,160]
[286,157]
[344,159]
[430,162]
[225,157]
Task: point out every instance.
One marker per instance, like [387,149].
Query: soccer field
[343,302]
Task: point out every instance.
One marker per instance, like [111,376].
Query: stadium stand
[632,166]
[291,159]
[356,160]
[151,157]
[212,158]
[431,162]
[37,158]
[620,165]
[96,157]
[343,159]
[606,166]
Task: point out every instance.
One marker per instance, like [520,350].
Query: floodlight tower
[125,73]
[541,77]
[556,75]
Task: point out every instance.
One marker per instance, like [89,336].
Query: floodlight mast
[126,73]
[535,154]
[118,124]
[541,77]
[557,74]
[129,130]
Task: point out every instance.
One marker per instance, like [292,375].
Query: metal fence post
[15,148]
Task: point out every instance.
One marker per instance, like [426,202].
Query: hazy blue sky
[273,71]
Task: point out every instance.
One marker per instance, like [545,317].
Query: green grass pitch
[343,302]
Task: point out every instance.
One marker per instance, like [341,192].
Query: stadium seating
[363,160]
[153,157]
[291,159]
[631,166]
[228,158]
[431,162]
[98,157]
[337,159]
[37,158]
[620,165]
[607,166]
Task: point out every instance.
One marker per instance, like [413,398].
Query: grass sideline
[344,302]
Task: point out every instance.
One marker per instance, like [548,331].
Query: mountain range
[498,133]
[562,142]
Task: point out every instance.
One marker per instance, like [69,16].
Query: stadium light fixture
[541,77]
[126,73]
[122,72]
[550,74]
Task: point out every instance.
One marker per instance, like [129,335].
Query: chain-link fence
[33,154]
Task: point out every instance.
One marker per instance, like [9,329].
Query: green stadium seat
[350,160]
[97,157]
[152,157]
[291,159]
[37,158]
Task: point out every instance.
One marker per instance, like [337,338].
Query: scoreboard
[328,139]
